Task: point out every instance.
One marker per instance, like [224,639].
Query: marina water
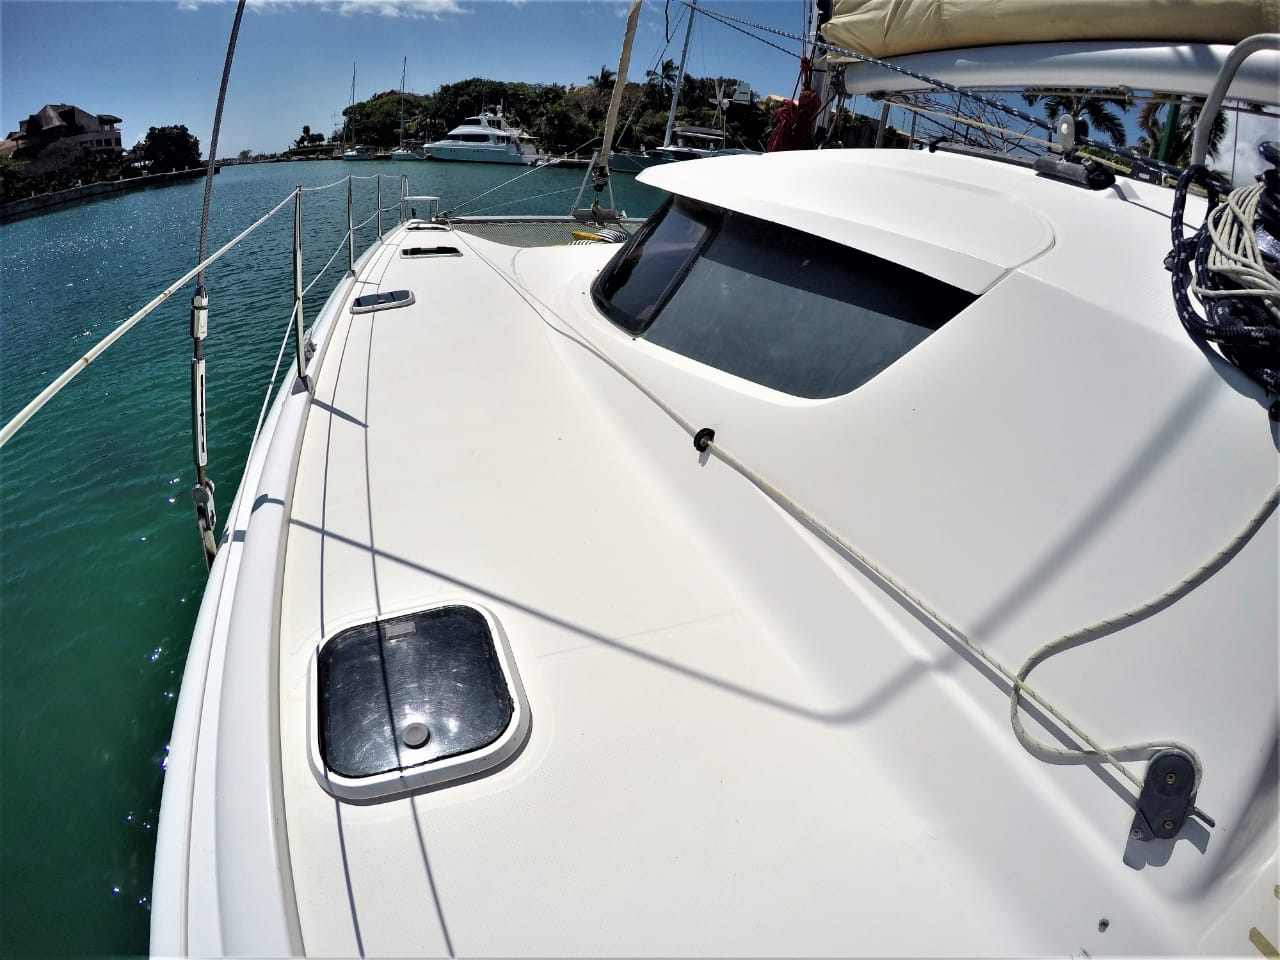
[100,567]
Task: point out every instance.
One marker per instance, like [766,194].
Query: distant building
[54,122]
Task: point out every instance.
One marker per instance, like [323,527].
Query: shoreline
[48,202]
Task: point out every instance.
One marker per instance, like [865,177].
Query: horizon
[163,58]
[160,61]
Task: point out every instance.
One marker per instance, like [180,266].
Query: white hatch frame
[397,783]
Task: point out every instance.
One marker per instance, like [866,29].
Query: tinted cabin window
[773,305]
[637,282]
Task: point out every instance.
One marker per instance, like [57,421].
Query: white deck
[739,745]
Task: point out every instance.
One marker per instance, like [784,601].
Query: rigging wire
[739,24]
[971,122]
[507,203]
[202,244]
[485,193]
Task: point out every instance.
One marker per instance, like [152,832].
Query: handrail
[1209,112]
[47,394]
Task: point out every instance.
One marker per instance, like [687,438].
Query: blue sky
[156,62]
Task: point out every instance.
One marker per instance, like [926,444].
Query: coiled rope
[1223,263]
[1091,751]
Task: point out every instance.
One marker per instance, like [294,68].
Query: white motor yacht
[360,152]
[484,138]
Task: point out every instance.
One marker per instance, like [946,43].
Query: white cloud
[1242,151]
[414,9]
[399,8]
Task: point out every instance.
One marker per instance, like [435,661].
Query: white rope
[45,395]
[895,587]
[1235,253]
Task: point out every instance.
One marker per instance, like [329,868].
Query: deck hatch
[385,300]
[413,700]
[418,252]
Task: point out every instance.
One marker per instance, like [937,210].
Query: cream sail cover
[891,28]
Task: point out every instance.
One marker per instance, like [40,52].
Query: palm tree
[664,76]
[604,79]
[1178,148]
[1097,106]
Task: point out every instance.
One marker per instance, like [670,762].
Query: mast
[598,171]
[351,121]
[619,83]
[684,55]
[403,66]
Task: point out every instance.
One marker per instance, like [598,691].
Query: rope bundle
[1232,265]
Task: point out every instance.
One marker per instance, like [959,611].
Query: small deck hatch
[414,700]
[386,300]
[418,252]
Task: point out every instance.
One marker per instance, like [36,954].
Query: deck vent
[388,300]
[414,701]
[416,225]
[417,252]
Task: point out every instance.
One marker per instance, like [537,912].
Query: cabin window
[474,137]
[773,305]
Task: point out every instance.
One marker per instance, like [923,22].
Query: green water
[100,569]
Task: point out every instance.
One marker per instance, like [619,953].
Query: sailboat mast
[351,120]
[404,65]
[684,55]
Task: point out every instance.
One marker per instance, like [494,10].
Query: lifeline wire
[45,395]
[1019,689]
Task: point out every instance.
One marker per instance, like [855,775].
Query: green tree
[244,155]
[664,78]
[1153,120]
[1095,105]
[169,148]
[604,79]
